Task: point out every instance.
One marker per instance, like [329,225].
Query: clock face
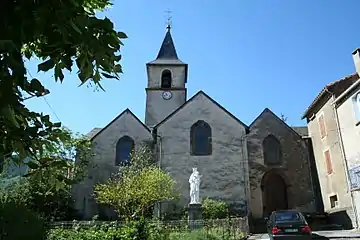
[166,95]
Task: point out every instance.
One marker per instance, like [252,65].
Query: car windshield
[287,216]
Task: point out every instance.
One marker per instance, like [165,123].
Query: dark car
[288,224]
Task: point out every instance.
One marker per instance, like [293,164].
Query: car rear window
[287,216]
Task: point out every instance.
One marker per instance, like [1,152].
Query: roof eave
[347,92]
[323,92]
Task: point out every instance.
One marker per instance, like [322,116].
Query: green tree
[63,36]
[46,191]
[55,163]
[137,187]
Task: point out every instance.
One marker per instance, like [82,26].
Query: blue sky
[246,54]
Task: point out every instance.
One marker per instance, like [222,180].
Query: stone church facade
[256,168]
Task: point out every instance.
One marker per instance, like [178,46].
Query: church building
[256,168]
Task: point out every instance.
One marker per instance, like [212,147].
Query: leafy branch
[63,35]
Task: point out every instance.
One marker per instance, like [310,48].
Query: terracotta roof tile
[336,87]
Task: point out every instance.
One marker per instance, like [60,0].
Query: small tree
[137,186]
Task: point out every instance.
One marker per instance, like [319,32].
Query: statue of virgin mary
[194,181]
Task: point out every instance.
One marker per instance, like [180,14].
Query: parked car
[288,224]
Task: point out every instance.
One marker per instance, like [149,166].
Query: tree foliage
[46,191]
[63,36]
[137,187]
[57,160]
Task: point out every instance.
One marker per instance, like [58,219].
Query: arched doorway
[274,193]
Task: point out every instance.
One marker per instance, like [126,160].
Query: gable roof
[335,88]
[267,110]
[302,131]
[212,100]
[96,131]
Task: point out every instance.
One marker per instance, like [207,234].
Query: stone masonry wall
[295,169]
[103,163]
[225,172]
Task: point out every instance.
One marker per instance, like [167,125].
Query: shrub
[105,232]
[205,235]
[214,209]
[139,230]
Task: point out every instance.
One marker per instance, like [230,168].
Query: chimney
[356,59]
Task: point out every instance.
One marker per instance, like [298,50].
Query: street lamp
[38,94]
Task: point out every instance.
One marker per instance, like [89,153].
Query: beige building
[348,113]
[256,169]
[324,129]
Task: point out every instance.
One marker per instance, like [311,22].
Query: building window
[200,139]
[124,147]
[333,201]
[356,101]
[322,128]
[272,150]
[328,162]
[166,79]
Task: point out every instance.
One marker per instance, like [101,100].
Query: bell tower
[167,77]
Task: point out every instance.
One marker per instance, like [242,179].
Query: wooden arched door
[274,192]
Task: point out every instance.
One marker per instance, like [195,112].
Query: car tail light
[306,229]
[275,230]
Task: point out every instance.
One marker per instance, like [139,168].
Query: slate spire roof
[167,50]
[167,53]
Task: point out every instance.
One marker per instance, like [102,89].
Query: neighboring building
[280,170]
[348,114]
[324,131]
[256,168]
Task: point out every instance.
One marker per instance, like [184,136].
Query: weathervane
[168,19]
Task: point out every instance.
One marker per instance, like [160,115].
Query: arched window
[166,79]
[123,150]
[272,150]
[200,139]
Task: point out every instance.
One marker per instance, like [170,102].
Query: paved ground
[342,234]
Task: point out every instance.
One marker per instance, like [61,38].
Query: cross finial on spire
[168,19]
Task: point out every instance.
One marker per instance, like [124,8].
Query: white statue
[194,181]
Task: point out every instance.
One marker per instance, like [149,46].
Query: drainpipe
[246,168]
[344,159]
[159,151]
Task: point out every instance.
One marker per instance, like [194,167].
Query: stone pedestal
[195,216]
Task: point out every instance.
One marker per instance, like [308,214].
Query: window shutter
[328,162]
[322,126]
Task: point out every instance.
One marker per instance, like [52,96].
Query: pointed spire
[167,50]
